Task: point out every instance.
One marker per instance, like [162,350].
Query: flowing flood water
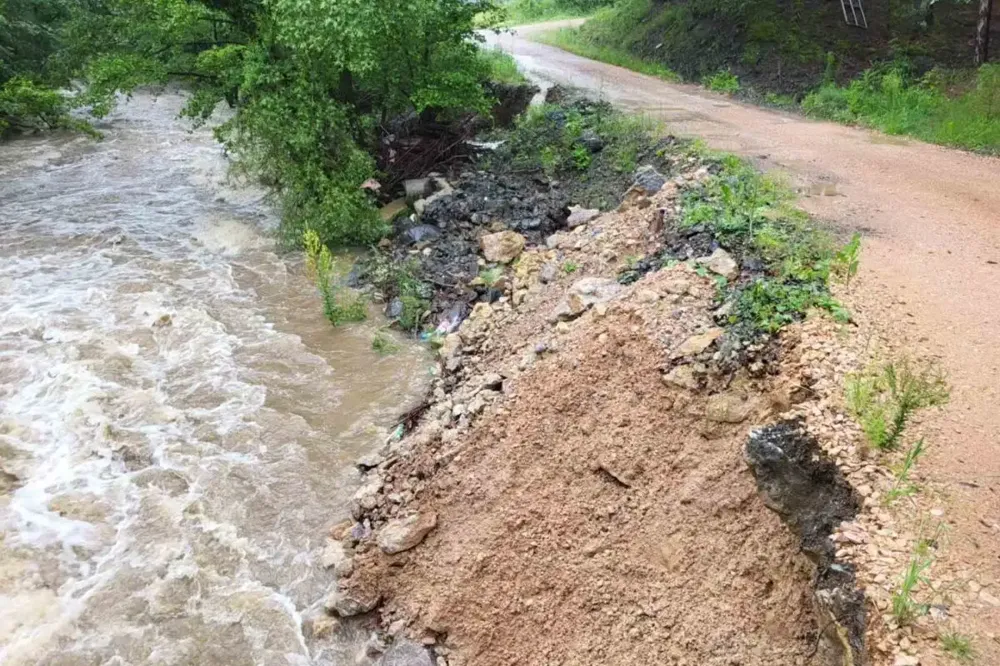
[177,421]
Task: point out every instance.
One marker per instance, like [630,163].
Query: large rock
[403,534]
[696,344]
[502,247]
[348,603]
[580,216]
[584,294]
[721,263]
[728,408]
[405,652]
[336,557]
[649,179]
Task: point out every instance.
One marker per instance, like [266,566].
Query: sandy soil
[931,221]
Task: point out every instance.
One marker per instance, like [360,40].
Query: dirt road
[931,221]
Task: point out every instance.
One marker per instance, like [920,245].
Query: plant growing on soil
[885,399]
[399,279]
[491,276]
[902,486]
[847,260]
[570,267]
[338,306]
[722,81]
[904,607]
[958,647]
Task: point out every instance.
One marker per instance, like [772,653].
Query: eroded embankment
[576,491]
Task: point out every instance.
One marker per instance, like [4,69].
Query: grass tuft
[884,399]
[902,487]
[722,81]
[572,40]
[904,607]
[502,67]
[339,305]
[958,647]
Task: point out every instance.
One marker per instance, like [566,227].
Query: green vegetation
[893,101]
[885,398]
[847,260]
[914,80]
[339,306]
[399,280]
[958,647]
[752,215]
[501,66]
[722,81]
[383,343]
[904,607]
[521,12]
[902,487]
[574,41]
[569,267]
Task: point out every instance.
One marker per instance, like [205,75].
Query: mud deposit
[576,491]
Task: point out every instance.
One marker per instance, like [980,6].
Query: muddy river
[178,422]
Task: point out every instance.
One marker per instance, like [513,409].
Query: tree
[983,32]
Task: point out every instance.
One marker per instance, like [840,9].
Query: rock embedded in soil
[682,377]
[721,263]
[336,557]
[502,247]
[580,216]
[404,652]
[649,180]
[729,408]
[696,344]
[402,534]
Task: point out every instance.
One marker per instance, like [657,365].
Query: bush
[722,81]
[888,99]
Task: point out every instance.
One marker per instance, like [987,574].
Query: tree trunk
[983,32]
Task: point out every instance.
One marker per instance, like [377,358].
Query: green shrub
[722,81]
[339,306]
[501,66]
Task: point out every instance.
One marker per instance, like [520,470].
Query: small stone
[728,408]
[562,328]
[648,296]
[721,263]
[502,247]
[988,598]
[600,309]
[682,376]
[405,533]
[906,660]
[405,652]
[548,273]
[696,344]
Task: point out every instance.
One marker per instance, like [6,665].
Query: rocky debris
[721,263]
[682,377]
[366,497]
[421,233]
[405,652]
[351,602]
[502,247]
[729,408]
[696,344]
[649,180]
[579,216]
[583,295]
[402,534]
[590,140]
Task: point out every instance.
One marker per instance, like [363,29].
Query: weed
[570,267]
[384,344]
[581,157]
[399,280]
[501,66]
[338,306]
[491,276]
[902,486]
[632,260]
[847,260]
[958,646]
[885,399]
[722,81]
[904,607]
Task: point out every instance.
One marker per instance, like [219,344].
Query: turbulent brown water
[177,421]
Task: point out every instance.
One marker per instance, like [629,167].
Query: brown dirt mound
[590,509]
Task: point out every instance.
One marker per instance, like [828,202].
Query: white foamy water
[177,421]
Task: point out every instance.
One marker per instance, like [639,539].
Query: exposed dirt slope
[931,221]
